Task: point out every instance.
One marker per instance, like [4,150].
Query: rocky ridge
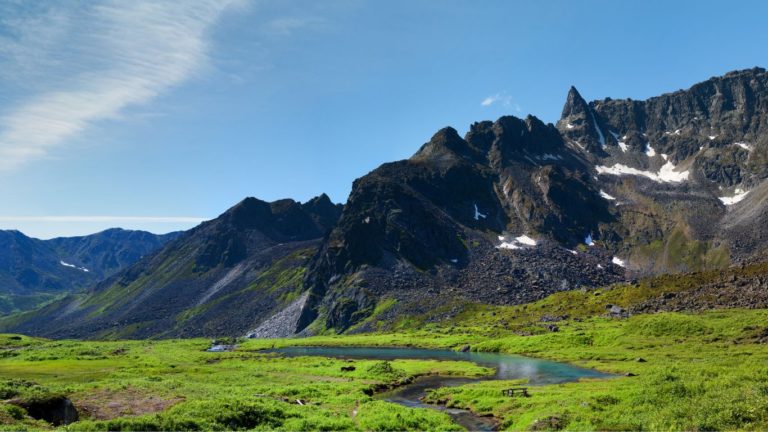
[513,211]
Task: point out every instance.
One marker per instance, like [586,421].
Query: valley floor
[697,371]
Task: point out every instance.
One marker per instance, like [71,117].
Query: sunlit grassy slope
[703,371]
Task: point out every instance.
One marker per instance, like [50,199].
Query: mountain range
[511,212]
[34,271]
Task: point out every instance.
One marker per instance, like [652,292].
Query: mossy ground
[201,391]
[704,371]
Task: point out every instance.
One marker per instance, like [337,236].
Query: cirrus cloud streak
[99,60]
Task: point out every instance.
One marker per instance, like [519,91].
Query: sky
[157,115]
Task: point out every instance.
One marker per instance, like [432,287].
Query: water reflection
[507,366]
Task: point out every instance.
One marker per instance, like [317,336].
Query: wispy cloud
[89,62]
[502,99]
[106,219]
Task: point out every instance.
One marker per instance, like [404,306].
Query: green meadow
[703,371]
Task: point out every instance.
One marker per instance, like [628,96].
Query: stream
[507,367]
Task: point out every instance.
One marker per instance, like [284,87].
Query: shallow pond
[507,367]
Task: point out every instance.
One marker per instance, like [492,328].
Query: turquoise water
[507,367]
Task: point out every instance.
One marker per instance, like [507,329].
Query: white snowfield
[649,151]
[606,196]
[619,262]
[66,264]
[666,174]
[739,195]
[517,243]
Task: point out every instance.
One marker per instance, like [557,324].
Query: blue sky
[155,115]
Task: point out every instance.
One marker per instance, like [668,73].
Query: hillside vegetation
[701,370]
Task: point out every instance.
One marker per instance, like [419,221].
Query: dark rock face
[430,224]
[581,124]
[650,181]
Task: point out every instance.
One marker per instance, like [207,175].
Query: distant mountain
[33,271]
[222,277]
[110,251]
[513,211]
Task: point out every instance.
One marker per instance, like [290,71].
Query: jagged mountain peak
[507,140]
[574,104]
[446,147]
[514,210]
[582,125]
[322,199]
[280,220]
[323,210]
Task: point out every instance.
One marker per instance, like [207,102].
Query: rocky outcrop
[655,185]
[444,222]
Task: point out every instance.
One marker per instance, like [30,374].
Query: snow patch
[479,215]
[588,240]
[569,126]
[619,262]
[649,151]
[677,131]
[739,195]
[745,146]
[666,174]
[573,251]
[548,156]
[623,146]
[454,260]
[599,132]
[524,239]
[664,156]
[606,196]
[517,243]
[711,137]
[66,264]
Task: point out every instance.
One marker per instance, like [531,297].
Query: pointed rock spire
[579,123]
[574,104]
